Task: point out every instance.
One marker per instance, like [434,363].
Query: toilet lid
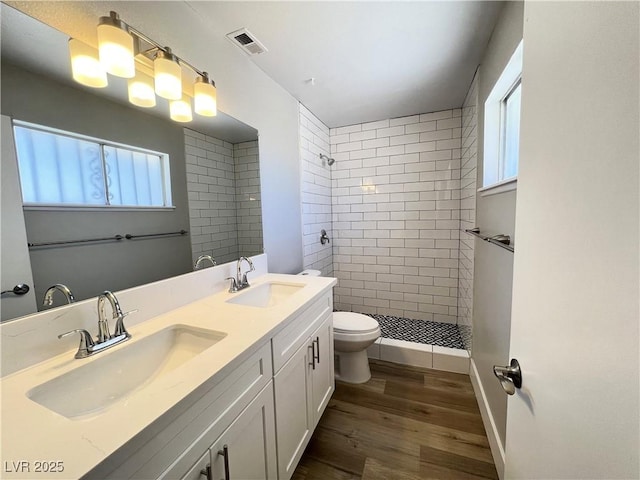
[353,322]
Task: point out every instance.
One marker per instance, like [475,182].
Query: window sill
[500,187]
[94,208]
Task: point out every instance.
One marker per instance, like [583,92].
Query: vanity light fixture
[115,45]
[119,47]
[168,75]
[204,96]
[141,91]
[180,110]
[85,65]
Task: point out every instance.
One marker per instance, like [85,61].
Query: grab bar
[500,240]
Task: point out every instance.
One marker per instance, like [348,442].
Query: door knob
[510,377]
[20,289]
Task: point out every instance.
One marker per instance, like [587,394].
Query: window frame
[102,143]
[494,161]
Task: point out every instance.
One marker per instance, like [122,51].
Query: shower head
[329,160]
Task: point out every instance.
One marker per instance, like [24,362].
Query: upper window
[65,169]
[502,125]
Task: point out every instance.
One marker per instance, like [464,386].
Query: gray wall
[90,269]
[493,275]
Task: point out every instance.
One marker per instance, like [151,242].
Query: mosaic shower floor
[420,331]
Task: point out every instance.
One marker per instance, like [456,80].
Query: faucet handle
[86,341]
[233,287]
[120,328]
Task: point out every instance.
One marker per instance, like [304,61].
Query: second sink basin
[95,386]
[266,294]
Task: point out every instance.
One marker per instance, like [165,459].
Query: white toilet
[352,335]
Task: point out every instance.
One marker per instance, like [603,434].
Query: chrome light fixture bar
[118,45]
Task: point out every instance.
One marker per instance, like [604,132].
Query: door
[294,420]
[322,377]
[248,444]
[575,316]
[15,267]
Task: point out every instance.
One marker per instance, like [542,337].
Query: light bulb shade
[168,76]
[204,97]
[85,66]
[115,45]
[180,110]
[141,92]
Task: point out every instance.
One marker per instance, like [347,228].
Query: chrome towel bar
[128,236]
[500,240]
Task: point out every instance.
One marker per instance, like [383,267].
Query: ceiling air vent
[247,41]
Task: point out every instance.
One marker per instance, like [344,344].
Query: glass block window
[66,169]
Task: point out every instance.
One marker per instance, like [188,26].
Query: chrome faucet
[241,282]
[48,295]
[201,259]
[88,346]
[103,322]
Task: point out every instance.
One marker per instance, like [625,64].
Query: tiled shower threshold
[420,343]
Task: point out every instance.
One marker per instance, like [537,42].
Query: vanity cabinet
[263,409]
[304,384]
[248,445]
[168,448]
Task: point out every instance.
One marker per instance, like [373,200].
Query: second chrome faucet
[240,282]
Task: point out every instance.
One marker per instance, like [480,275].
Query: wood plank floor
[406,423]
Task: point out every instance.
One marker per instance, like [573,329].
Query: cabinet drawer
[287,341]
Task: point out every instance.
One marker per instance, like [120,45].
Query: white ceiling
[370,60]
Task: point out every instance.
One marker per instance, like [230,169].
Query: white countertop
[32,433]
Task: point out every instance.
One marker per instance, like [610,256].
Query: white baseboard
[497,450]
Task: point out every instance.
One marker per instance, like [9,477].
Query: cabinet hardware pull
[313,355]
[225,453]
[316,356]
[206,471]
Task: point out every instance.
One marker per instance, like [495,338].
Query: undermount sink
[266,294]
[93,387]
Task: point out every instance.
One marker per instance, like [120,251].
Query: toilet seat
[354,323]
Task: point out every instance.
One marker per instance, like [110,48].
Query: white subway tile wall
[316,193]
[468,188]
[396,216]
[211,187]
[248,200]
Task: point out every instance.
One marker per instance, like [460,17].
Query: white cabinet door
[249,443]
[292,397]
[322,377]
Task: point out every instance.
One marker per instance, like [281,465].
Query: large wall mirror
[213,178]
